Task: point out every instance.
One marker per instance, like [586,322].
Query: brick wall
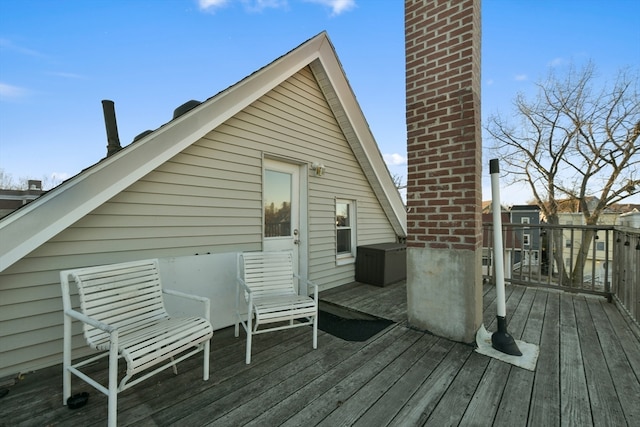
[442,43]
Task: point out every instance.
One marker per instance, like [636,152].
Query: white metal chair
[123,316]
[266,279]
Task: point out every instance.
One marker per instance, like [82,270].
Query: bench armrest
[206,301]
[243,285]
[93,322]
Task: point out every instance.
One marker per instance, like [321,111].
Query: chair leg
[315,330]
[249,336]
[207,347]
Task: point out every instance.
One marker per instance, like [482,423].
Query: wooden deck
[588,373]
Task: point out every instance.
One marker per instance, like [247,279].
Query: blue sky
[59,59]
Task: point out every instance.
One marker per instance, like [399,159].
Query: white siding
[205,199]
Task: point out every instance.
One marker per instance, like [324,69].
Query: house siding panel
[205,199]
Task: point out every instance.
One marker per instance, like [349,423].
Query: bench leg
[174,367]
[113,380]
[66,361]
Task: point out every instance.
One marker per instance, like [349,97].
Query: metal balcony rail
[602,259]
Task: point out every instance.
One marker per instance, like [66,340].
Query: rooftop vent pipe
[113,141]
[189,105]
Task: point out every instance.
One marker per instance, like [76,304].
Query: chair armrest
[309,284]
[206,301]
[93,322]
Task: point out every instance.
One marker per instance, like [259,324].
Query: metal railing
[602,260]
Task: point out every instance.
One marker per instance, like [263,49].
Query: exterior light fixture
[318,168]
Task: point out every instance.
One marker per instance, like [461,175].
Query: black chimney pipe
[113,141]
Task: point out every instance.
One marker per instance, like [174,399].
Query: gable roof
[33,225]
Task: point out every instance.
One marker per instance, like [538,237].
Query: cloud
[395,159]
[10,91]
[260,5]
[557,62]
[520,77]
[337,6]
[211,4]
[67,75]
[249,5]
[6,44]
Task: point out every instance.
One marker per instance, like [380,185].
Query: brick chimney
[444,192]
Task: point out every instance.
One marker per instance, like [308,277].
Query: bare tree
[576,140]
[7,182]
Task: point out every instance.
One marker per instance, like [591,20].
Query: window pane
[342,214]
[277,204]
[344,241]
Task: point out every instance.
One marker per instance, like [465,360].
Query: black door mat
[347,324]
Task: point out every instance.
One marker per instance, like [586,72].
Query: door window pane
[277,204]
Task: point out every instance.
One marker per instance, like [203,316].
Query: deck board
[573,394]
[544,407]
[387,407]
[587,374]
[602,393]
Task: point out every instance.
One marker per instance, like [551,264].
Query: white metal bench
[267,281]
[123,316]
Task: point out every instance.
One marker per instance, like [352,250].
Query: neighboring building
[600,253]
[284,159]
[630,219]
[10,200]
[529,233]
[511,243]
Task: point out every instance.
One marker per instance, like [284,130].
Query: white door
[281,208]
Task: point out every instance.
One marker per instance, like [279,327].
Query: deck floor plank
[544,407]
[419,407]
[367,395]
[346,387]
[574,397]
[484,404]
[626,386]
[316,389]
[629,341]
[514,407]
[606,409]
[386,408]
[449,411]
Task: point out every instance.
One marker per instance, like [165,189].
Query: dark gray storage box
[381,264]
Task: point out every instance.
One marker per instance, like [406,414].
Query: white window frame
[346,257]
[526,239]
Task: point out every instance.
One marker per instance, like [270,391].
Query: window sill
[344,260]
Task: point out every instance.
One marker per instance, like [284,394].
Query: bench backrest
[127,296]
[267,273]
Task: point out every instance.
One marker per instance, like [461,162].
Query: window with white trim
[345,230]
